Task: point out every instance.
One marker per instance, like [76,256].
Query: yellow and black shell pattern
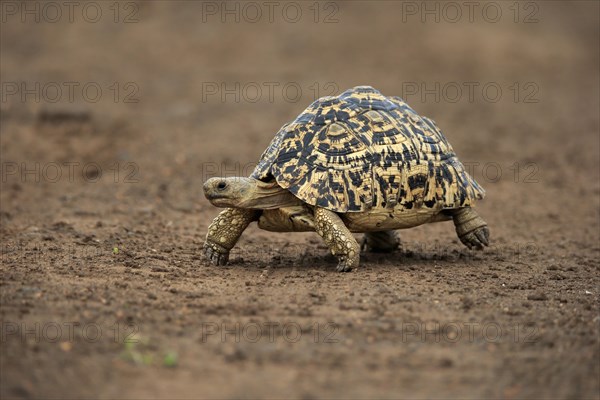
[362,150]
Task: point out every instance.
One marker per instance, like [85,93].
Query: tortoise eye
[221,185]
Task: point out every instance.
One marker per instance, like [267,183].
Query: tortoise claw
[344,266]
[483,235]
[479,238]
[346,263]
[215,254]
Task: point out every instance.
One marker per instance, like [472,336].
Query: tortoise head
[240,192]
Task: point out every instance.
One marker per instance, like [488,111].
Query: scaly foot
[215,254]
[338,238]
[471,229]
[224,232]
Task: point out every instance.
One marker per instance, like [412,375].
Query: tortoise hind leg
[338,238]
[471,229]
[380,242]
[224,232]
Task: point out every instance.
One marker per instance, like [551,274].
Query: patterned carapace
[362,150]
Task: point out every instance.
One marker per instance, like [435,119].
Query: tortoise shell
[362,150]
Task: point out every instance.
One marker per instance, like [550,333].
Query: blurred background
[158,83]
[114,113]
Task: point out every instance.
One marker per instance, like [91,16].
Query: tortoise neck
[267,196]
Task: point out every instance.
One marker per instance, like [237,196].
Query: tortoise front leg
[471,229]
[338,238]
[224,232]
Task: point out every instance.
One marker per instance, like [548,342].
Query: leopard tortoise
[358,162]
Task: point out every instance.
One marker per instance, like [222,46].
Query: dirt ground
[110,123]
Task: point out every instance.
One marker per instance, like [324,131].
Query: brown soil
[104,292]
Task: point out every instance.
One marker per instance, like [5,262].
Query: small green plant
[135,355]
[139,352]
[170,359]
